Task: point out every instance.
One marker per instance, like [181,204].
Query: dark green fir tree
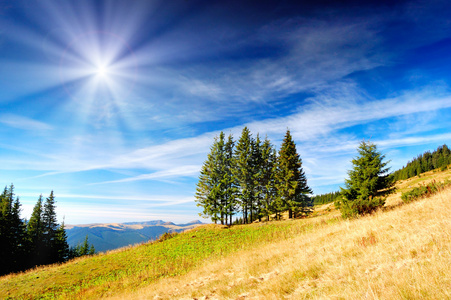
[368,183]
[291,182]
[266,177]
[54,237]
[35,232]
[244,174]
[12,233]
[215,190]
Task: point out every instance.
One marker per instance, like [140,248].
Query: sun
[96,65]
[102,71]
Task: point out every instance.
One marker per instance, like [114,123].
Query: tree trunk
[245,215]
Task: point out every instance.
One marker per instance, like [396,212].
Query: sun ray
[89,64]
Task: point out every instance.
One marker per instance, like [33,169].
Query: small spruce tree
[368,183]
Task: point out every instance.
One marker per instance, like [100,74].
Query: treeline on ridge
[427,161]
[250,177]
[39,241]
[325,198]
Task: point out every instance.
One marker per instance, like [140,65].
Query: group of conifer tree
[427,161]
[39,241]
[325,198]
[250,177]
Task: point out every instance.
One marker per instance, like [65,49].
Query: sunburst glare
[97,72]
[99,54]
[102,71]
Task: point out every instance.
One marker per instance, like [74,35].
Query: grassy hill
[402,252]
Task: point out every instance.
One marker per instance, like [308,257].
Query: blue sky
[113,105]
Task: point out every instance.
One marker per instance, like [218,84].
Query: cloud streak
[188,170]
[24,123]
[313,124]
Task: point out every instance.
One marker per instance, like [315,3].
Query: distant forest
[325,198]
[439,159]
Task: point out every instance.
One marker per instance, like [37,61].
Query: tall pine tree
[215,190]
[228,181]
[244,174]
[207,185]
[257,172]
[35,232]
[291,182]
[54,239]
[12,233]
[266,177]
[61,248]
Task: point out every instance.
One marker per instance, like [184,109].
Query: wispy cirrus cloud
[327,112]
[305,64]
[316,127]
[176,172]
[155,199]
[21,122]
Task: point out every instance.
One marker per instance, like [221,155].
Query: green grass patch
[424,191]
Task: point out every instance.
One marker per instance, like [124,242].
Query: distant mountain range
[111,236]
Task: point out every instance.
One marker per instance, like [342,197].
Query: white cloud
[317,129]
[159,199]
[325,115]
[21,122]
[180,171]
[306,64]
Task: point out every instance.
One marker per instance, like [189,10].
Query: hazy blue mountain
[111,236]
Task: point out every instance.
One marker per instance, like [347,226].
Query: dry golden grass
[425,178]
[404,253]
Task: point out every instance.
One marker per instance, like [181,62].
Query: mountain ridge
[110,236]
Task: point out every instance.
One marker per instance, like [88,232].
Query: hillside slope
[402,252]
